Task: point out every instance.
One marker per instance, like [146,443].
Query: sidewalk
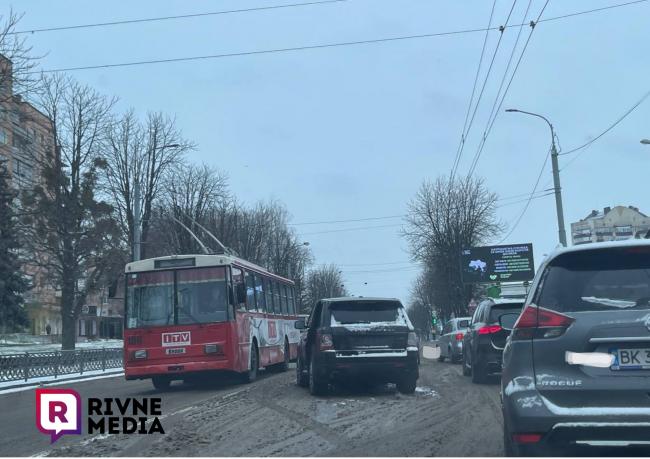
[9,386]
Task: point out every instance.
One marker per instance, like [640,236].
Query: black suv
[576,368]
[485,339]
[362,338]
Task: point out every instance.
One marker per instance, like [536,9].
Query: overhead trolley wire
[309,47]
[167,18]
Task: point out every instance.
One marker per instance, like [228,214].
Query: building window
[4,139]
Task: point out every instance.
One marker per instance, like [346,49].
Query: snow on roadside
[97,344]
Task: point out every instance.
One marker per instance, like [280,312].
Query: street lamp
[556,176]
[137,218]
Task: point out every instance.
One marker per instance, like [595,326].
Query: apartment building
[611,224]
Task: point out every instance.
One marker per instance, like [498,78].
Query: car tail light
[489,329]
[325,342]
[540,323]
[459,336]
[526,438]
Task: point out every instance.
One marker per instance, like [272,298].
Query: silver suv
[576,367]
[451,339]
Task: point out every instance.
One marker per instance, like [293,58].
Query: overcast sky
[351,132]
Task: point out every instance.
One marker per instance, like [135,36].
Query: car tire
[466,369]
[478,373]
[161,383]
[254,359]
[302,379]
[508,447]
[316,385]
[407,384]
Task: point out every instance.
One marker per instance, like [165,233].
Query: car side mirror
[300,324]
[507,321]
[240,291]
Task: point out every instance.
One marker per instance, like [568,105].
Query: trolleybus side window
[270,307]
[250,291]
[260,294]
[237,279]
[277,297]
[292,306]
[284,290]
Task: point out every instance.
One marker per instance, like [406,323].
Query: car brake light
[540,323]
[325,342]
[524,438]
[459,336]
[489,329]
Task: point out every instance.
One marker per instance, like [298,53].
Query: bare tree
[323,282]
[72,233]
[144,153]
[443,219]
[17,63]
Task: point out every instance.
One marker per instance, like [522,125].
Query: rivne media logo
[58,412]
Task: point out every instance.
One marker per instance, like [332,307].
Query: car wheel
[251,374]
[478,373]
[407,384]
[316,385]
[161,383]
[508,446]
[302,379]
[466,369]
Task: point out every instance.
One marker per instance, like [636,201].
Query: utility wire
[505,93]
[485,80]
[167,18]
[354,220]
[612,126]
[459,151]
[304,48]
[523,212]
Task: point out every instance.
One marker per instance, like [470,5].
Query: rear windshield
[499,309]
[365,312]
[607,279]
[463,323]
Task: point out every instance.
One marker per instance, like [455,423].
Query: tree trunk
[68,316]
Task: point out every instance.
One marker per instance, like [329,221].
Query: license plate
[631,359]
[177,350]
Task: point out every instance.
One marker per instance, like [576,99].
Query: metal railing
[30,365]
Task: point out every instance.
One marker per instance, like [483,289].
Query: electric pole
[556,177]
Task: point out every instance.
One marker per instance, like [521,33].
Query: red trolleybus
[187,314]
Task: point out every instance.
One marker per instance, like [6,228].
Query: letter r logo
[58,412]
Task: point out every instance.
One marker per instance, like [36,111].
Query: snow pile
[22,348]
[426,392]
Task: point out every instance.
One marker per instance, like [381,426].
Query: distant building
[611,224]
[26,142]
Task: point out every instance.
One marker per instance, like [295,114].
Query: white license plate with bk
[631,359]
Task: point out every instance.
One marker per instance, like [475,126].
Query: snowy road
[448,416]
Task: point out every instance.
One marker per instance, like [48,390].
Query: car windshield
[612,279]
[201,297]
[364,312]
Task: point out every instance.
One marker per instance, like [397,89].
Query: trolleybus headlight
[140,354]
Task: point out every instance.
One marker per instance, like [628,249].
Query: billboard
[498,263]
